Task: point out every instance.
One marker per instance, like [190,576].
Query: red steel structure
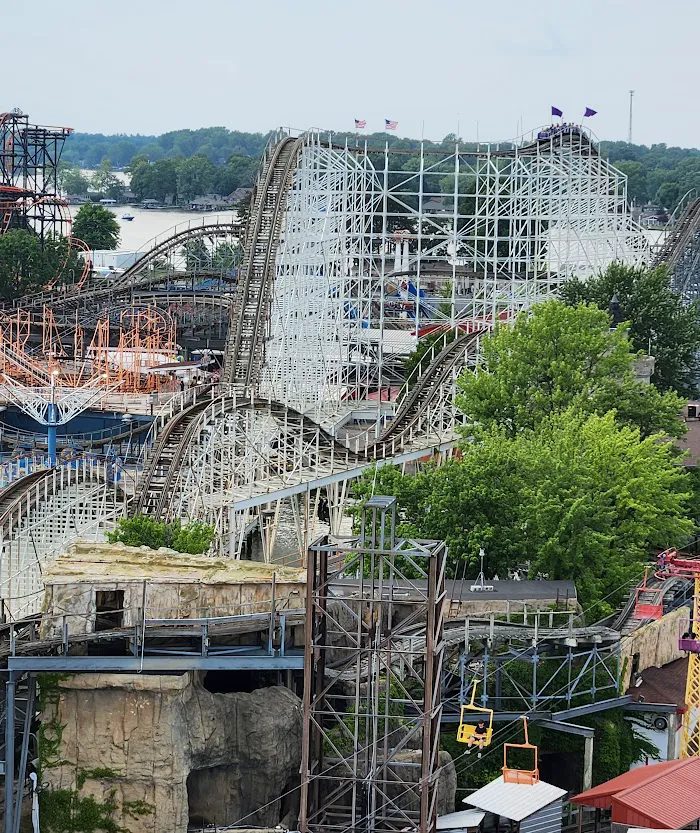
[672,565]
[29,159]
[29,194]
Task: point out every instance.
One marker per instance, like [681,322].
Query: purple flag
[557,112]
[589,112]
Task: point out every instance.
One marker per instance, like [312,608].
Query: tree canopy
[568,467]
[157,180]
[556,357]
[96,226]
[195,176]
[71,180]
[106,182]
[26,265]
[659,322]
[579,498]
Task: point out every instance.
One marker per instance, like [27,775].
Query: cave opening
[214,797]
[202,812]
[229,682]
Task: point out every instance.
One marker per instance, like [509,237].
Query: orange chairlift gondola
[649,601]
[475,723]
[512,775]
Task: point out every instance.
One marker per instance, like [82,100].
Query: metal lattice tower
[370,754]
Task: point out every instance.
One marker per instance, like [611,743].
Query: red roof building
[664,795]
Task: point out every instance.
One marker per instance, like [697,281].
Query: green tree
[106,182]
[599,500]
[659,322]
[72,181]
[97,226]
[238,172]
[26,264]
[556,357]
[154,181]
[196,255]
[165,179]
[578,497]
[636,181]
[22,267]
[194,176]
[142,531]
[141,182]
[226,257]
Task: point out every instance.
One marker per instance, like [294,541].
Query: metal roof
[601,796]
[514,801]
[460,820]
[661,795]
[393,341]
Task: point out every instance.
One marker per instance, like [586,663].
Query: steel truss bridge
[344,246]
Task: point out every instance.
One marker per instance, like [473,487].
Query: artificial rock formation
[142,741]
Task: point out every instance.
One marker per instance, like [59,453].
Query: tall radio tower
[629,134]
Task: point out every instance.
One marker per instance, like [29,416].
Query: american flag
[390,125]
[360,123]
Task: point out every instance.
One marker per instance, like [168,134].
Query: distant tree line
[659,174]
[185,178]
[89,150]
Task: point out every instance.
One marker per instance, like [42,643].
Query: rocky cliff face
[145,741]
[164,751]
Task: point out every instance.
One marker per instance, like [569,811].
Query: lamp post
[615,311]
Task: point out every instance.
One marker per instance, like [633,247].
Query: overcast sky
[148,66]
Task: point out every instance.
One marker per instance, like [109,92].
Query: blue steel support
[590,708]
[595,663]
[534,660]
[22,774]
[501,717]
[485,675]
[51,432]
[158,664]
[10,750]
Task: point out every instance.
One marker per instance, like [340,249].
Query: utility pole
[629,134]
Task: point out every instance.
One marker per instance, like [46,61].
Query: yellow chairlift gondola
[475,723]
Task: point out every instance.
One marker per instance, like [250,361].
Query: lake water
[149,223]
